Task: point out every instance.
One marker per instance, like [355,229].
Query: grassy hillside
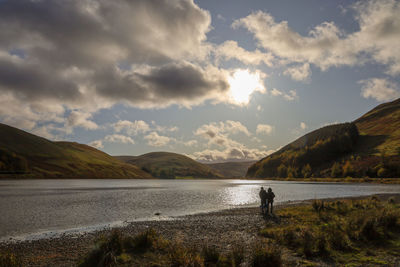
[232,169]
[380,128]
[367,147]
[25,155]
[171,165]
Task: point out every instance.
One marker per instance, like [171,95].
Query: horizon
[215,81]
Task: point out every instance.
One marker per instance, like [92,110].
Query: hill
[170,165]
[231,169]
[369,146]
[25,155]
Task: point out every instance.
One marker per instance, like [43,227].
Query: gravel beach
[223,229]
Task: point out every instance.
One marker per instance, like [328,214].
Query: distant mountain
[369,146]
[235,169]
[171,165]
[25,155]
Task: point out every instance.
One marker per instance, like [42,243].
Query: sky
[215,80]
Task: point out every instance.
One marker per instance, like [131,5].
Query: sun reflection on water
[240,195]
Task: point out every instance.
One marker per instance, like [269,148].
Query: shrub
[322,246]
[307,241]
[267,255]
[9,260]
[141,242]
[370,231]
[337,237]
[180,256]
[237,255]
[318,205]
[105,253]
[210,255]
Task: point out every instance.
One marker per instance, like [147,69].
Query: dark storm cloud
[30,81]
[69,51]
[184,81]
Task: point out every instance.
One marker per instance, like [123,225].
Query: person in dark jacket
[270,199]
[263,197]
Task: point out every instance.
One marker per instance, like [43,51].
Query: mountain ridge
[170,165]
[367,147]
[29,156]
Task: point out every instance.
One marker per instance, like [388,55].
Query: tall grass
[9,259]
[266,255]
[325,229]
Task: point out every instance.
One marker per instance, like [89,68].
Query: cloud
[298,131]
[299,72]
[81,119]
[264,129]
[212,155]
[379,89]
[218,133]
[118,138]
[276,92]
[154,139]
[190,143]
[326,45]
[84,55]
[131,127]
[97,144]
[291,96]
[231,50]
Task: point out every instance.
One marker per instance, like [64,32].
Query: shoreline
[224,229]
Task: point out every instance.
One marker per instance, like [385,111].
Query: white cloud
[231,50]
[131,127]
[276,92]
[228,127]
[291,96]
[299,72]
[154,139]
[234,153]
[81,119]
[303,126]
[379,89]
[118,138]
[264,129]
[190,143]
[97,144]
[326,45]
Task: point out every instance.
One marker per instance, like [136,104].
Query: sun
[242,84]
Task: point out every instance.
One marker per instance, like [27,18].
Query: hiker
[263,197]
[270,199]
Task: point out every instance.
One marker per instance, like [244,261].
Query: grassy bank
[347,232]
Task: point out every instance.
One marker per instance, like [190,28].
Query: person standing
[263,197]
[270,199]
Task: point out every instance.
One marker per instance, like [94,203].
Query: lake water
[38,208]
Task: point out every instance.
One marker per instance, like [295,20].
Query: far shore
[223,229]
[322,180]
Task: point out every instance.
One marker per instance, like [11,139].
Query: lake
[33,209]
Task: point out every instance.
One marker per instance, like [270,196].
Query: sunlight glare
[242,84]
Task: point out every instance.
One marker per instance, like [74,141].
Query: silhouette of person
[270,199]
[263,197]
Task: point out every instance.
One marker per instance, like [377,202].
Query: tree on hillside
[348,169]
[336,170]
[306,171]
[282,171]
